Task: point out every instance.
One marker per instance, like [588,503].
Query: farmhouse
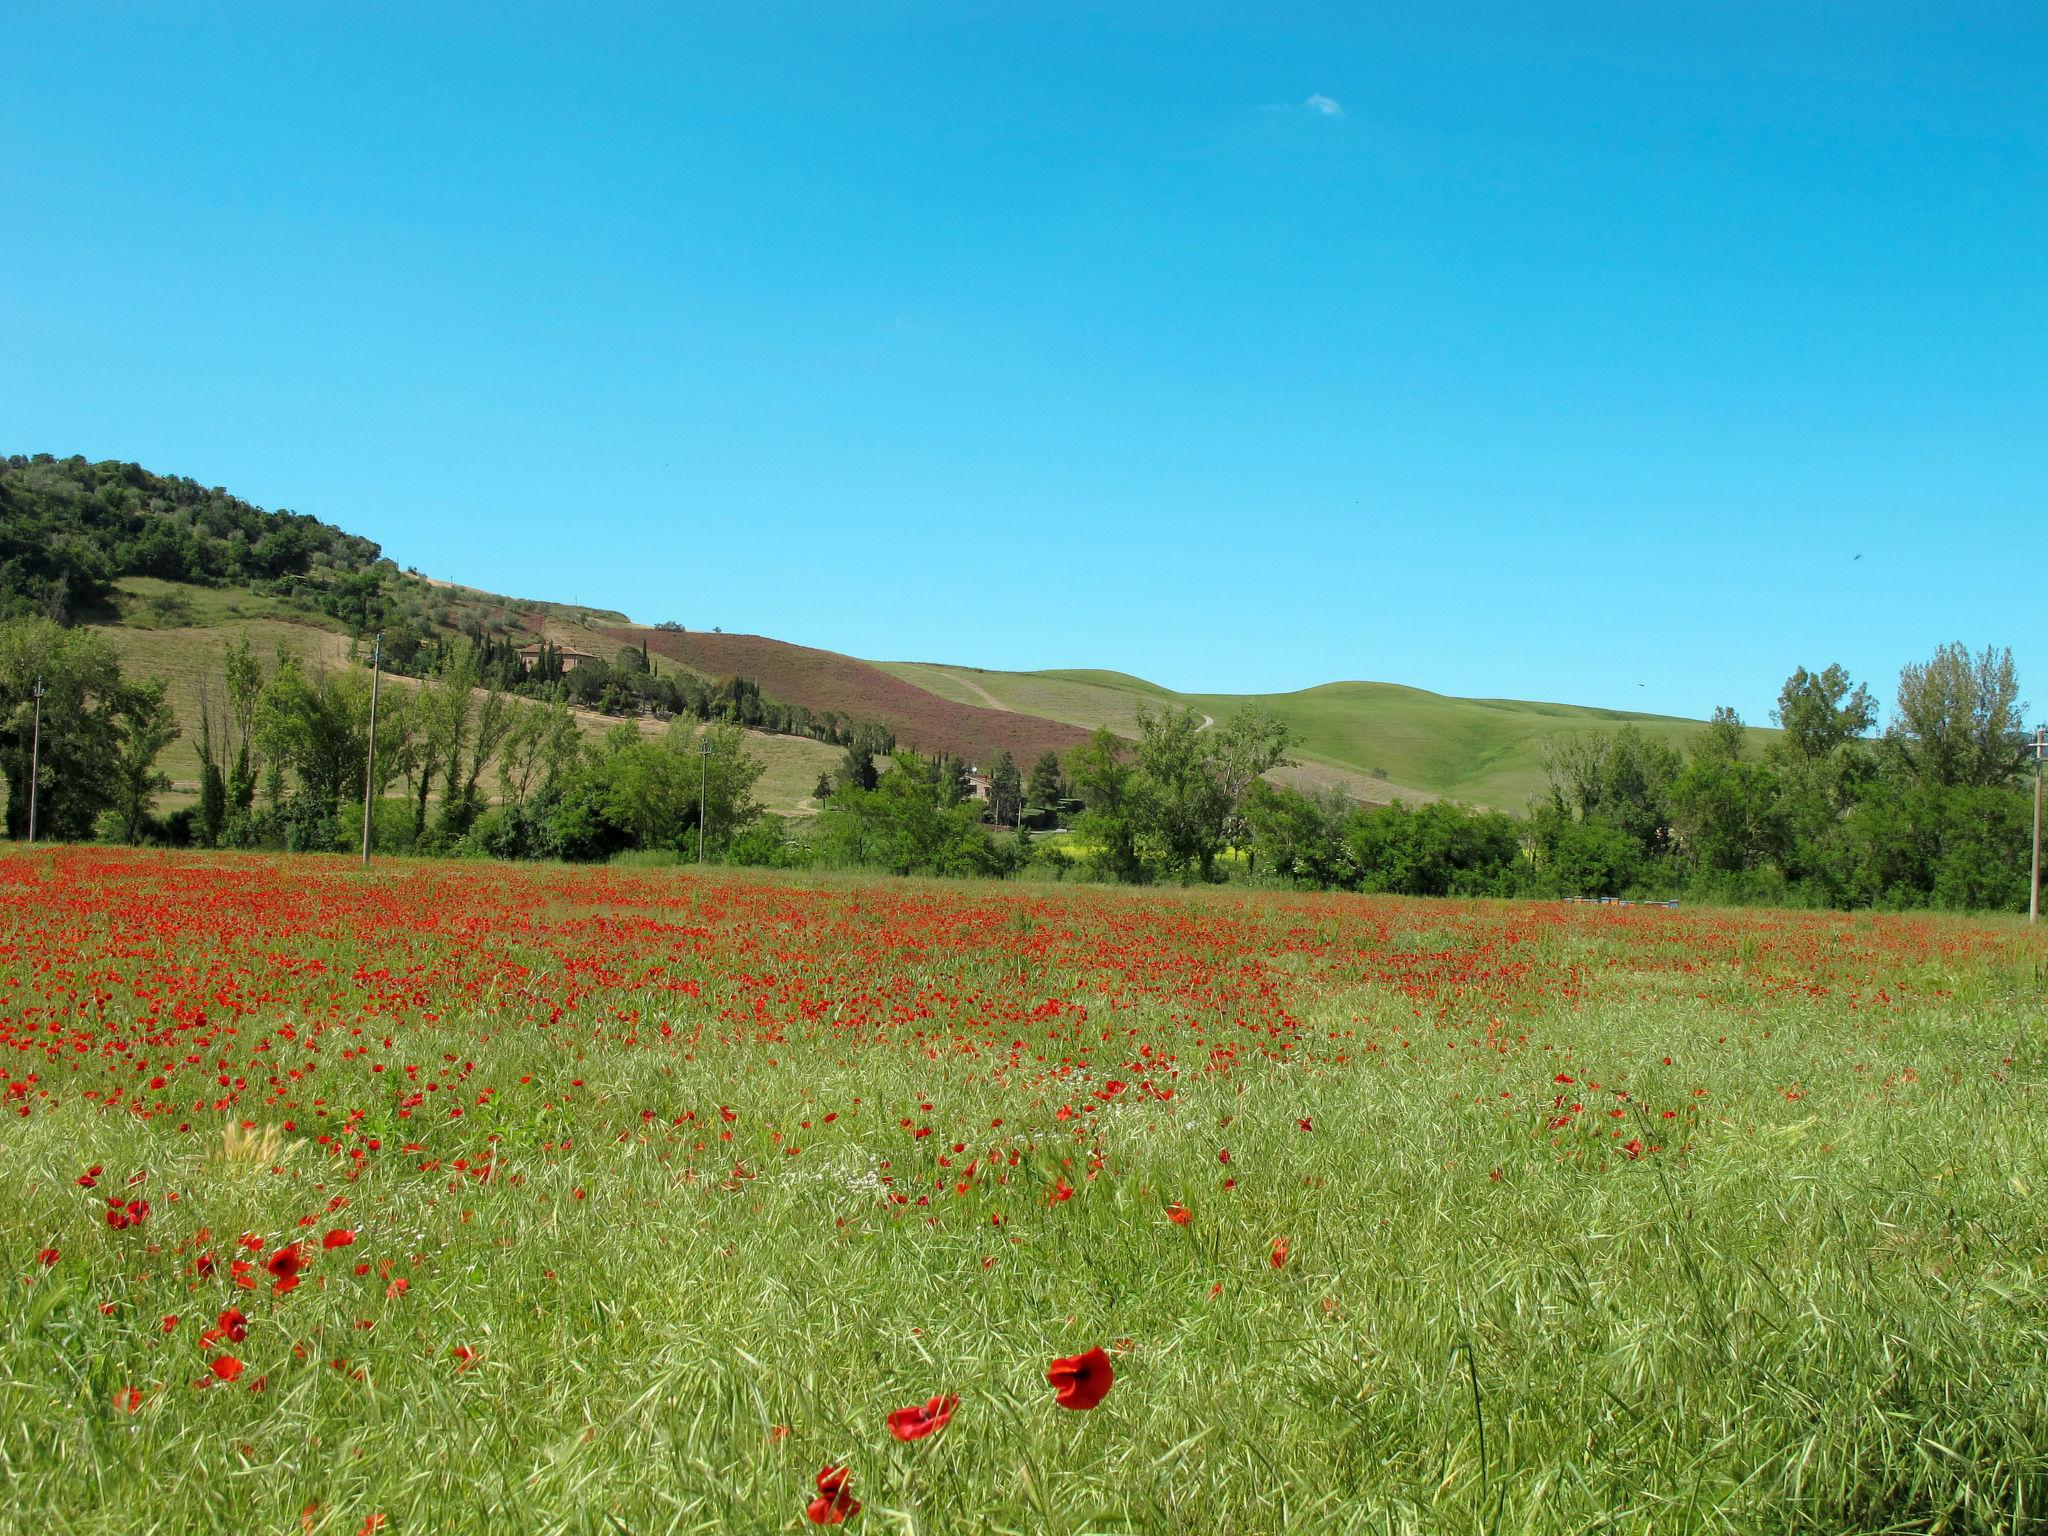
[570,658]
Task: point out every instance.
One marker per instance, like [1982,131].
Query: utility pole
[703,809]
[2040,749]
[35,761]
[370,757]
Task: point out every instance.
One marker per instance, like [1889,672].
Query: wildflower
[915,1423]
[834,1504]
[1081,1381]
[127,1399]
[47,1257]
[1280,1249]
[465,1357]
[1178,1214]
[286,1264]
[340,1237]
[225,1368]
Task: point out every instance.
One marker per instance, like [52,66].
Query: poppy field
[452,1198]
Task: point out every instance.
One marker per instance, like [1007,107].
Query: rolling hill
[1376,741]
[168,570]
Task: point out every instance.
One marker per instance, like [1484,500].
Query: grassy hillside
[827,682]
[176,631]
[1375,740]
[295,583]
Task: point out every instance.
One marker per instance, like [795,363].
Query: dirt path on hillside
[990,699]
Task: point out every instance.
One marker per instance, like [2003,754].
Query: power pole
[703,809]
[370,757]
[35,761]
[2040,746]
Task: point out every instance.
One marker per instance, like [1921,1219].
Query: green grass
[1375,740]
[1821,1304]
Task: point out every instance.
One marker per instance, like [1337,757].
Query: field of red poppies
[453,1198]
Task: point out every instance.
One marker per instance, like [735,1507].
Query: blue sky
[1568,352]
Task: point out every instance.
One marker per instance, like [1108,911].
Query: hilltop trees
[69,528]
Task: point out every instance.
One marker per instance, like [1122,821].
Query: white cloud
[1325,105]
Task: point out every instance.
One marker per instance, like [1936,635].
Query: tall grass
[1821,1306]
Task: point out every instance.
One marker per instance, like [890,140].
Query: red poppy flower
[340,1237]
[833,1505]
[1280,1247]
[1081,1381]
[916,1423]
[233,1324]
[127,1399]
[226,1368]
[286,1264]
[47,1257]
[465,1357]
[1178,1214]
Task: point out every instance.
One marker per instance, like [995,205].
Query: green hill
[168,569]
[1377,741]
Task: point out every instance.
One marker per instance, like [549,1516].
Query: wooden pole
[35,762]
[2034,895]
[370,757]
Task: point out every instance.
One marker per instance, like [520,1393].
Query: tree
[147,727]
[1006,791]
[1819,712]
[540,741]
[857,767]
[1958,719]
[1821,761]
[1110,789]
[1725,806]
[316,725]
[244,680]
[463,717]
[81,726]
[1250,744]
[728,776]
[1620,779]
[1300,837]
[1046,789]
[905,825]
[650,787]
[1438,849]
[1184,798]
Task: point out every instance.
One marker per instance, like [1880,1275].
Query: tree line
[1931,811]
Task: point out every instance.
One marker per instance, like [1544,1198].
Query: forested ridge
[70,528]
